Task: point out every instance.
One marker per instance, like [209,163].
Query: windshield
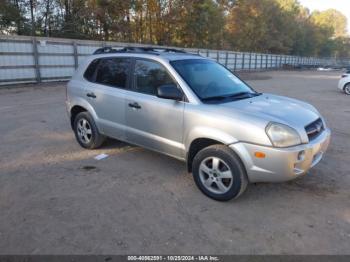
[210,80]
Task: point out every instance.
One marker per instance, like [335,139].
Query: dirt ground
[55,198]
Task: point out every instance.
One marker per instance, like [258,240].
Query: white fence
[26,59]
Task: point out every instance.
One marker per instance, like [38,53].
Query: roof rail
[137,49]
[104,50]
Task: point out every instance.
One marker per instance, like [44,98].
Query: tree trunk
[47,19]
[31,2]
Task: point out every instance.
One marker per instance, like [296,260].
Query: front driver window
[149,76]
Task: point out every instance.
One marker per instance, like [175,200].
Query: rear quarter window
[90,71]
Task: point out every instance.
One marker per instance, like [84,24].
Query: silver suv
[194,109]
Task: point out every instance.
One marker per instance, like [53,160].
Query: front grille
[314,129]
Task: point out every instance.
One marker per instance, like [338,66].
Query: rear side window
[149,76]
[90,71]
[112,71]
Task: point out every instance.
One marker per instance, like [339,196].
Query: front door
[153,122]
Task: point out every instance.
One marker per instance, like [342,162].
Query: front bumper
[281,164]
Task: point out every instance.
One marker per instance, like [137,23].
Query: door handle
[135,105]
[92,95]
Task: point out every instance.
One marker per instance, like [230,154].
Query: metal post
[250,61]
[256,61]
[261,61]
[281,57]
[271,61]
[243,61]
[36,60]
[285,60]
[207,53]
[75,53]
[235,63]
[218,56]
[266,60]
[276,61]
[226,59]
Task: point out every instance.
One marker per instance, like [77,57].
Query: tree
[259,26]
[202,25]
[274,26]
[332,19]
[12,17]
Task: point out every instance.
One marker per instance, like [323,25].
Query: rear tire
[219,173]
[347,89]
[86,131]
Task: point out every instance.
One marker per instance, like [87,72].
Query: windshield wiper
[244,94]
[240,95]
[210,98]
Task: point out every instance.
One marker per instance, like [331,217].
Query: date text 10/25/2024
[173,258]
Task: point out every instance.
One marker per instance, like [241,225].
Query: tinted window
[90,71]
[149,75]
[113,72]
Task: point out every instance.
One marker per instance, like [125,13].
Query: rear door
[106,94]
[153,122]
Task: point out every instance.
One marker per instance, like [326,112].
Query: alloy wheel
[347,89]
[215,175]
[84,131]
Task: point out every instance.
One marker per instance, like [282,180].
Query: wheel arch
[79,106]
[201,137]
[197,145]
[346,84]
[204,138]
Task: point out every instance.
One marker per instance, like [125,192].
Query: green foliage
[273,26]
[203,25]
[332,20]
[284,26]
[259,26]
[12,18]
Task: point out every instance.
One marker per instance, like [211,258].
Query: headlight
[282,135]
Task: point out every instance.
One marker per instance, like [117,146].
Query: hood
[292,112]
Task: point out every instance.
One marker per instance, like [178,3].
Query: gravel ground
[56,199]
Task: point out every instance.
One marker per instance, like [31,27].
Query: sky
[321,5]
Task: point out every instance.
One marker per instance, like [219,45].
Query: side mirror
[170,91]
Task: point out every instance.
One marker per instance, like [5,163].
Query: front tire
[347,89]
[219,173]
[86,131]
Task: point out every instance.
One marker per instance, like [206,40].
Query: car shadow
[111,143]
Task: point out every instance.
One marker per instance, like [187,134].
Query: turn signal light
[259,155]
